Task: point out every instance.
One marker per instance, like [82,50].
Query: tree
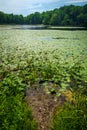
[67,15]
[47,17]
[2,18]
[54,18]
[34,18]
[66,20]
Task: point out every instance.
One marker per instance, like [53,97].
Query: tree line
[64,16]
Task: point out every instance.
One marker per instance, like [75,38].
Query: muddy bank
[43,104]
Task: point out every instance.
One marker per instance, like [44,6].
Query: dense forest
[64,16]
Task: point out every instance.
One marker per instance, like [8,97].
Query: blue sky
[26,7]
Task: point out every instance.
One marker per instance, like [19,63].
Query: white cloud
[76,1]
[19,5]
[23,2]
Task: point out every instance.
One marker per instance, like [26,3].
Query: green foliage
[34,18]
[76,76]
[57,62]
[72,116]
[14,113]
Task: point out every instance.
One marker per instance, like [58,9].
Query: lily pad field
[52,60]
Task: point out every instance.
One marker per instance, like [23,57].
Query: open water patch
[30,27]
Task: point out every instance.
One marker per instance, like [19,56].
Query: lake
[67,45]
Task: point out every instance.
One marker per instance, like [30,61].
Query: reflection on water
[38,27]
[23,27]
[30,27]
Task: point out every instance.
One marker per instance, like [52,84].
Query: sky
[26,7]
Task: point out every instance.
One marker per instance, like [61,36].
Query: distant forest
[64,16]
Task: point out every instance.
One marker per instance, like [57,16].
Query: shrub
[72,116]
[14,112]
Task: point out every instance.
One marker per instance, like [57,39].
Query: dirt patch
[43,104]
